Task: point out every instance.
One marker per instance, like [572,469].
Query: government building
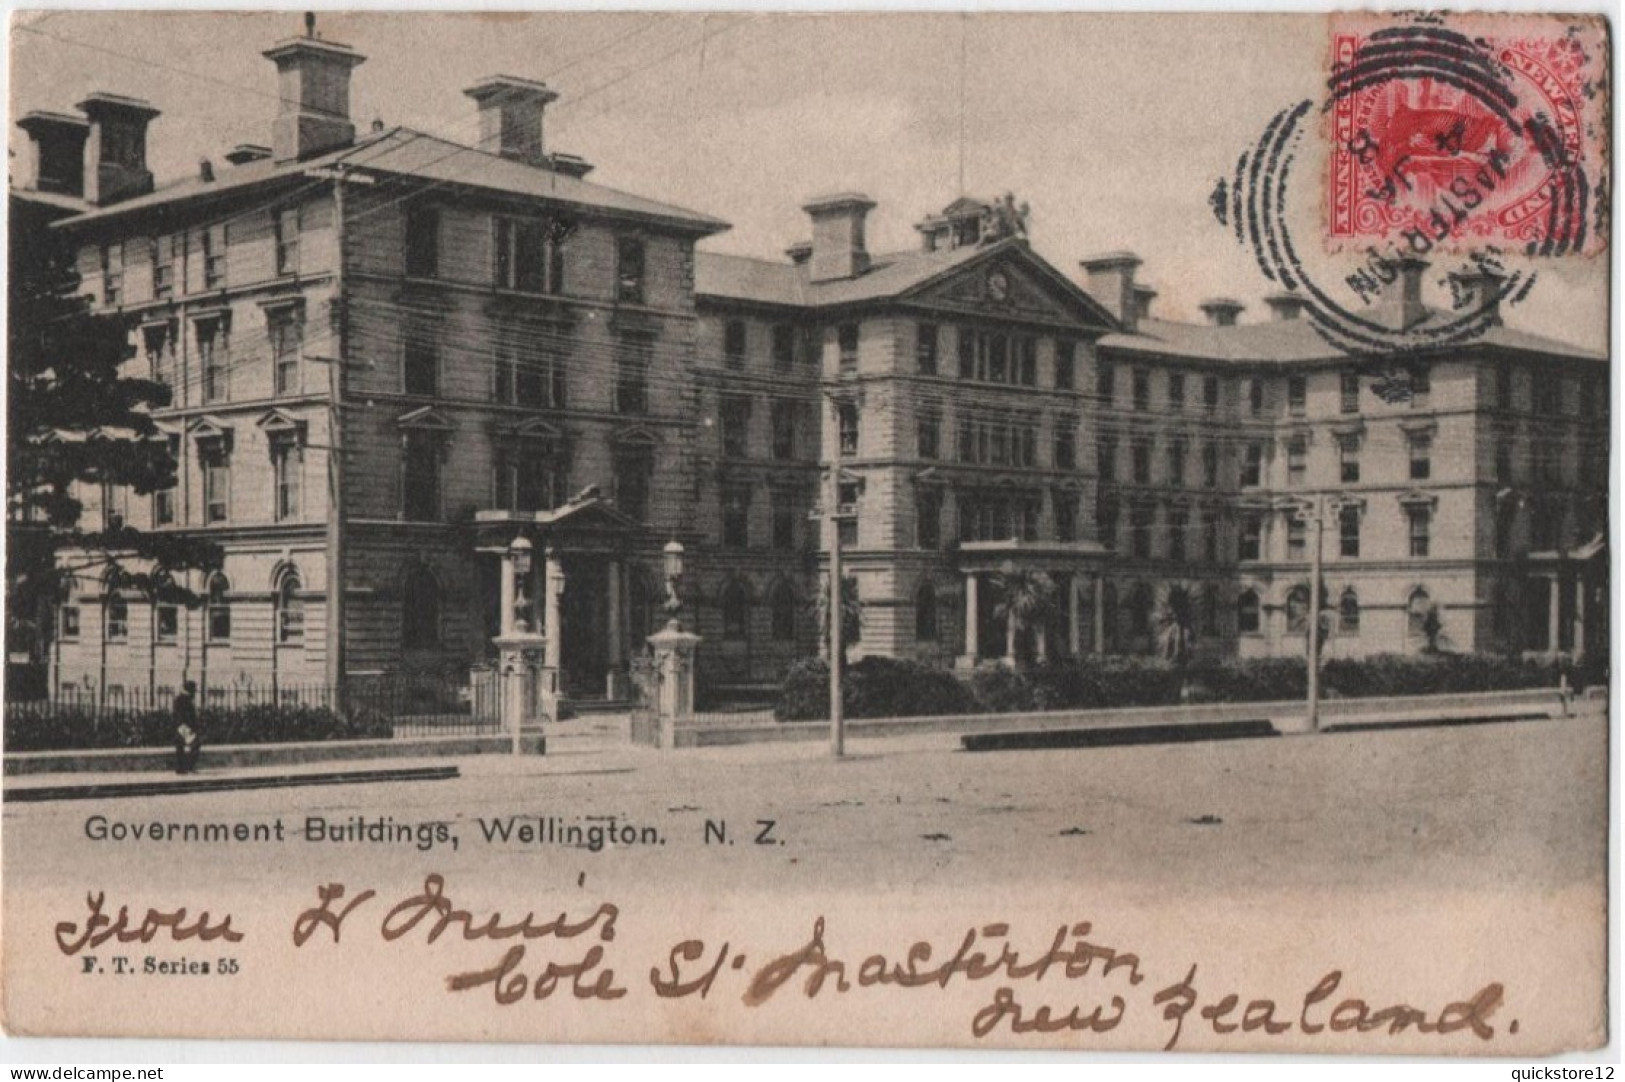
[392,355]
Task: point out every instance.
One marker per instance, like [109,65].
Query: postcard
[1025,531]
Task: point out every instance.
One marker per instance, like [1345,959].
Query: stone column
[1554,610]
[1100,614]
[1041,640]
[616,679]
[1579,615]
[972,623]
[674,676]
[548,678]
[505,624]
[1074,612]
[519,676]
[1010,640]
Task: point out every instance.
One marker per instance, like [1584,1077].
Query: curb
[92,791]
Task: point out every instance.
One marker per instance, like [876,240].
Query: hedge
[78,728]
[886,687]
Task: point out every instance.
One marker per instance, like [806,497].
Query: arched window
[1417,611]
[1348,612]
[1297,610]
[925,613]
[290,610]
[1139,610]
[420,610]
[783,604]
[219,609]
[1247,612]
[118,617]
[1207,620]
[735,612]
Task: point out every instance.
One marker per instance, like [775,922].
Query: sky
[1113,128]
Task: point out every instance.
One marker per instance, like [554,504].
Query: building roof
[407,152]
[53,200]
[1290,341]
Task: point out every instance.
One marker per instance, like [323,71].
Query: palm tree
[1026,600]
[851,614]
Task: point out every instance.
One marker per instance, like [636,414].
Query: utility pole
[835,513]
[1318,520]
[335,459]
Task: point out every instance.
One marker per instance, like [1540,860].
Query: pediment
[277,421]
[425,417]
[1013,283]
[594,512]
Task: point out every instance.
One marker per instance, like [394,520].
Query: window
[218,609]
[735,418]
[1105,383]
[1210,393]
[1106,458]
[1297,395]
[1065,364]
[420,364]
[166,623]
[1210,465]
[783,420]
[1255,396]
[68,620]
[1139,610]
[211,355]
[286,227]
[420,610]
[1420,523]
[736,516]
[1297,532]
[1421,448]
[1210,535]
[420,500]
[1066,516]
[928,518]
[115,506]
[287,344]
[118,618]
[112,274]
[1503,386]
[1178,522]
[530,476]
[215,462]
[925,349]
[1503,460]
[784,519]
[784,345]
[735,612]
[629,264]
[159,342]
[1140,450]
[782,605]
[925,613]
[1251,545]
[213,244]
[996,357]
[1247,621]
[846,418]
[930,432]
[162,254]
[1348,532]
[1348,459]
[1506,518]
[520,253]
[1106,516]
[1066,443]
[287,464]
[733,343]
[1142,390]
[1178,451]
[1297,610]
[1421,384]
[422,242]
[846,527]
[633,354]
[1348,613]
[1252,466]
[163,500]
[1548,395]
[1297,460]
[1140,518]
[1419,614]
[1349,393]
[999,514]
[847,341]
[1176,391]
[290,611]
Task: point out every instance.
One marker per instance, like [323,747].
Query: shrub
[49,728]
[874,687]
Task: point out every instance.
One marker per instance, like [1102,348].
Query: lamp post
[672,561]
[516,568]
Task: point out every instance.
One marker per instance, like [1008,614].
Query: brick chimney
[313,81]
[1404,293]
[1111,282]
[1221,311]
[58,160]
[511,116]
[1285,306]
[1477,291]
[1143,296]
[116,150]
[839,249]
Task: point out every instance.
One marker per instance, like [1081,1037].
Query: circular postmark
[1438,145]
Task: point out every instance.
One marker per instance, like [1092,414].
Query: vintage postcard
[1027,531]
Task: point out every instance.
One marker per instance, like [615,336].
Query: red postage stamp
[1451,134]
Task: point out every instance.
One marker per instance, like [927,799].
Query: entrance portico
[1074,624]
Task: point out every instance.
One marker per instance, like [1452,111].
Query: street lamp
[519,562]
[673,563]
[520,552]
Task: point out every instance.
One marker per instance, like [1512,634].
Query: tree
[1026,600]
[76,421]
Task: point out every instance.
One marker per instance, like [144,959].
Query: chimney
[1284,306]
[1477,291]
[1111,282]
[243,153]
[1221,311]
[313,80]
[1404,293]
[511,117]
[571,165]
[799,252]
[205,170]
[59,152]
[1143,296]
[838,246]
[116,151]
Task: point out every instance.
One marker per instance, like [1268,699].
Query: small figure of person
[188,741]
